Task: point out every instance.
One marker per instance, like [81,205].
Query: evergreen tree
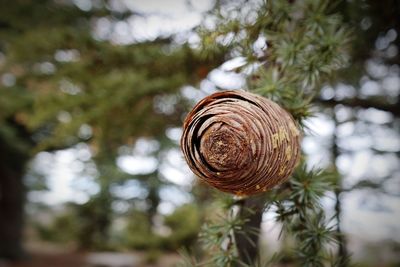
[293,48]
[62,85]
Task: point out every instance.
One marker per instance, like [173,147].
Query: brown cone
[240,143]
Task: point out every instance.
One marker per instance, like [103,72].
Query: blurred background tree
[62,85]
[70,80]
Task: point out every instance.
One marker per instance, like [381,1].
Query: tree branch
[251,210]
[363,103]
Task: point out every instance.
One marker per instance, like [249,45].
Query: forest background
[93,95]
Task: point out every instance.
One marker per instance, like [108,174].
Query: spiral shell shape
[240,142]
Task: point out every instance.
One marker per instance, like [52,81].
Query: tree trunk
[251,210]
[342,242]
[342,250]
[12,198]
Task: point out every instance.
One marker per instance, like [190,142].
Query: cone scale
[240,142]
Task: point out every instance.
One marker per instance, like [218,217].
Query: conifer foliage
[289,49]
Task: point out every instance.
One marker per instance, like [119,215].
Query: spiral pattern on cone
[240,143]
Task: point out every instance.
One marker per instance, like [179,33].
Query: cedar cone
[240,143]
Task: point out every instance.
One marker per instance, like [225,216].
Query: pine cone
[240,142]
